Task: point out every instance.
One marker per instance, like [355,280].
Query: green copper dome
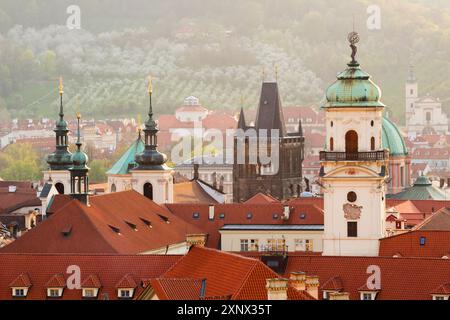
[392,139]
[353,89]
[422,189]
[79,160]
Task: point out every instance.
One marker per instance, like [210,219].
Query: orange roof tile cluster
[108,273]
[261,198]
[224,274]
[301,213]
[423,276]
[190,192]
[122,222]
[416,243]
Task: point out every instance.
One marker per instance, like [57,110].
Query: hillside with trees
[215,50]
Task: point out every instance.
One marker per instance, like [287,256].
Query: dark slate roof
[45,190]
[270,113]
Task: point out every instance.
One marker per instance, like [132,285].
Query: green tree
[19,162]
[97,172]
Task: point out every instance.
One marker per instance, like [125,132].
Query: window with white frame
[90,292]
[244,245]
[440,297]
[299,245]
[19,292]
[125,293]
[54,292]
[367,295]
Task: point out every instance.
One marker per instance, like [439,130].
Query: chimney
[211,212]
[196,239]
[196,166]
[312,286]
[339,296]
[297,280]
[277,288]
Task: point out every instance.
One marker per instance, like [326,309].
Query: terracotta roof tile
[90,231]
[423,274]
[177,288]
[334,283]
[57,281]
[443,289]
[109,270]
[126,282]
[23,280]
[92,281]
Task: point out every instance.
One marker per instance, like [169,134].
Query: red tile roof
[422,277]
[105,227]
[177,288]
[261,198]
[92,281]
[301,213]
[437,244]
[225,273]
[443,289]
[22,281]
[57,281]
[126,282]
[334,284]
[35,270]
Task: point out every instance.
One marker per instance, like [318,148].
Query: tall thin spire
[79,179]
[60,158]
[151,158]
[61,92]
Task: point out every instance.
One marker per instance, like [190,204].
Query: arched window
[59,187]
[148,190]
[351,142]
[331,144]
[372,143]
[113,188]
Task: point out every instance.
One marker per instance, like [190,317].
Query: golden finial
[138,123]
[150,86]
[78,115]
[61,85]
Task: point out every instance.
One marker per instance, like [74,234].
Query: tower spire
[150,158]
[79,180]
[60,158]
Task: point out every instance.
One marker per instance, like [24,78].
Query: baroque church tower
[283,180]
[60,161]
[354,164]
[152,177]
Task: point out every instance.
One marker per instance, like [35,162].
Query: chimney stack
[298,280]
[339,296]
[196,166]
[277,288]
[197,239]
[312,286]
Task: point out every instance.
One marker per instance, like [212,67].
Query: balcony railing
[354,156]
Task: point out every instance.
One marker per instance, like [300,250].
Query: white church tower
[354,164]
[411,96]
[152,177]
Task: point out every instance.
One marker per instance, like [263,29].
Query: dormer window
[440,297]
[90,292]
[196,215]
[146,222]
[368,295]
[19,292]
[54,292]
[126,293]
[222,216]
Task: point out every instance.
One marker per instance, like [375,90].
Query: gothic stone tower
[59,161]
[282,181]
[354,164]
[152,177]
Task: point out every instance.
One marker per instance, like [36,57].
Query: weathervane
[353,38]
